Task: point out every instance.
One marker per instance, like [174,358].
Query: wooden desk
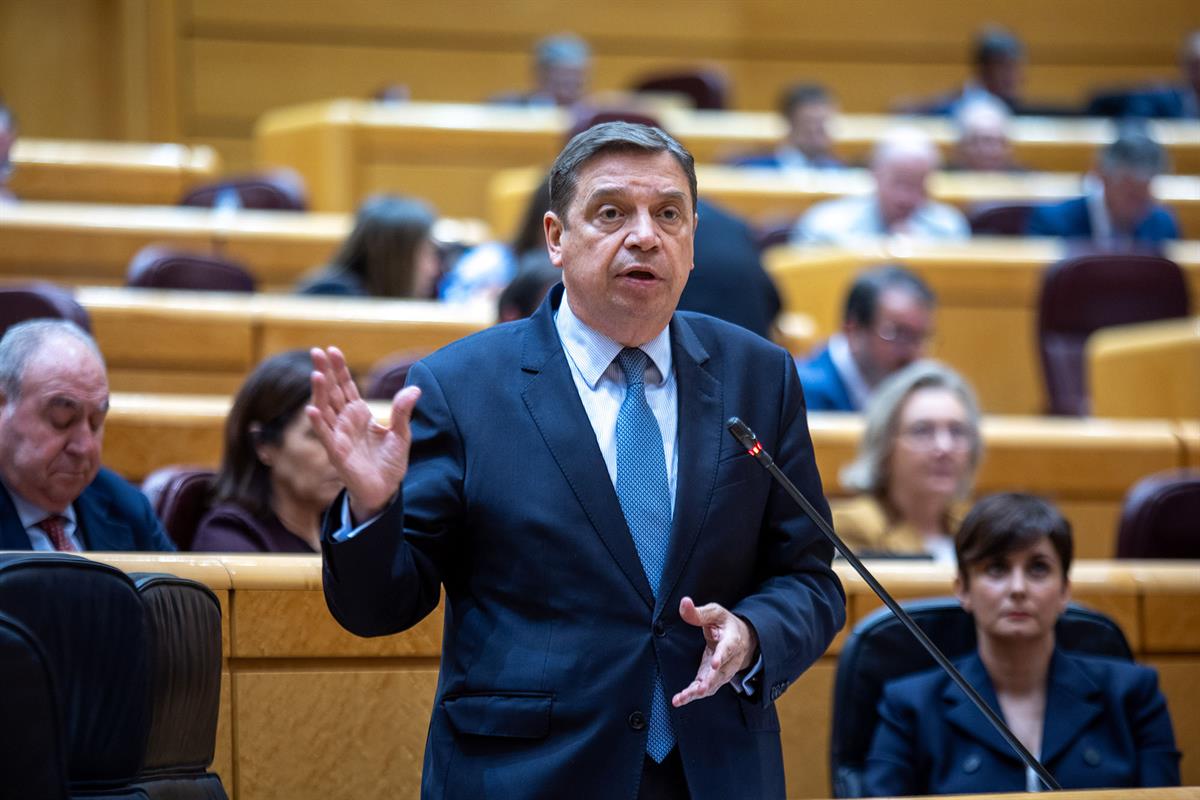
[446,152]
[360,731]
[771,196]
[78,243]
[177,341]
[987,302]
[109,172]
[1086,466]
[1148,370]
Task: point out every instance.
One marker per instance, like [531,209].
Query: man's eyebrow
[605,192]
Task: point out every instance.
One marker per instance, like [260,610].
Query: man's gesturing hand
[729,647]
[370,459]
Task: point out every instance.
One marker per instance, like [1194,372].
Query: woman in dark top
[1093,722]
[275,480]
[390,253]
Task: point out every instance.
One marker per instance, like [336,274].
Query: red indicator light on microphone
[756,449]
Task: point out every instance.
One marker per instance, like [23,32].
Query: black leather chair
[1083,294]
[31,741]
[179,496]
[19,303]
[881,649]
[185,683]
[92,626]
[1161,517]
[155,267]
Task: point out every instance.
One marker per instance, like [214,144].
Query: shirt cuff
[745,683]
[347,531]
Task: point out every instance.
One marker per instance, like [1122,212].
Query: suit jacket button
[637,721]
[972,764]
[1091,757]
[660,629]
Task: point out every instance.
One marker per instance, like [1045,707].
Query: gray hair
[906,141]
[25,340]
[562,48]
[982,113]
[1134,151]
[869,471]
[611,137]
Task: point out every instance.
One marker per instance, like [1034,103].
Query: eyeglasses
[927,435]
[897,334]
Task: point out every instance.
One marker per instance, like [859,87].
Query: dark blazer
[551,632]
[824,389]
[1106,726]
[111,514]
[729,281]
[1070,220]
[229,528]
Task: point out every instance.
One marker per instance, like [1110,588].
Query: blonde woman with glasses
[915,467]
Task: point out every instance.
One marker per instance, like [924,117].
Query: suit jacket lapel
[1073,701]
[554,404]
[96,528]
[962,713]
[700,430]
[12,532]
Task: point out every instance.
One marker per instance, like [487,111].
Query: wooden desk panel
[109,172]
[475,141]
[987,293]
[1147,370]
[364,711]
[190,342]
[82,244]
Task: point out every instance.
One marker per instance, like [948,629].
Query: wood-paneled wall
[204,70]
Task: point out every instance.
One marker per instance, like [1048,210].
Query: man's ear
[555,228]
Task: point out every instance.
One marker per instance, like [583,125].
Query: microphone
[746,438]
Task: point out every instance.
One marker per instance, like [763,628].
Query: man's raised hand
[370,459]
[729,647]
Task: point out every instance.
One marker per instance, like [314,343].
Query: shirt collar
[593,352]
[847,367]
[31,514]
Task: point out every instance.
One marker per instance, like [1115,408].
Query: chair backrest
[277,190]
[31,749]
[1161,517]
[774,232]
[588,118]
[1082,294]
[185,623]
[999,219]
[19,303]
[881,649]
[155,267]
[706,88]
[92,625]
[388,375]
[179,496]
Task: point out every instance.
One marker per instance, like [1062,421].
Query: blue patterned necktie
[645,498]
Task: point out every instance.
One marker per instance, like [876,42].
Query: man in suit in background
[808,109]
[886,325]
[1117,208]
[627,591]
[8,137]
[54,495]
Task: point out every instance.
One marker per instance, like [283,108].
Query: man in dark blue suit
[885,327]
[627,592]
[53,493]
[807,109]
[1117,207]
